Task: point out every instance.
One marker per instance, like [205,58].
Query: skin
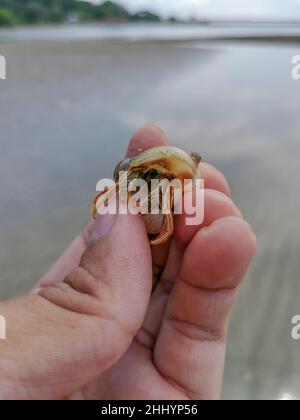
[95,327]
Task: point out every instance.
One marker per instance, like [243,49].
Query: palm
[140,379]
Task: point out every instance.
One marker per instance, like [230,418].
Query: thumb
[83,325]
[112,283]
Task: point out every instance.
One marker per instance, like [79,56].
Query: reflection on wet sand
[67,112]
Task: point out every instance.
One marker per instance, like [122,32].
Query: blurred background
[216,76]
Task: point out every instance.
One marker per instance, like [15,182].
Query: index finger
[145,138]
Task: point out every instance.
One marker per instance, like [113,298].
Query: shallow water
[148,31]
[67,111]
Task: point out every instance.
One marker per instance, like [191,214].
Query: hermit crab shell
[170,160]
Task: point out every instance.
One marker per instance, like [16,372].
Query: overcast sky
[249,8]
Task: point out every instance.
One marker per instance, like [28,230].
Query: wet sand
[68,109]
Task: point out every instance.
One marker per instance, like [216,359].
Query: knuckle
[194,331]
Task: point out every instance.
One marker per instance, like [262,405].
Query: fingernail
[36,290]
[102,227]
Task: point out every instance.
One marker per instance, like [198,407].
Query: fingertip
[214,179]
[238,223]
[235,235]
[217,205]
[146,137]
[221,252]
[153,126]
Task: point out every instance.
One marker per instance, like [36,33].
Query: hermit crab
[157,163]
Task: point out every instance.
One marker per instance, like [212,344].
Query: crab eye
[121,167]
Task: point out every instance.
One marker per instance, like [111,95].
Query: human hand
[93,328]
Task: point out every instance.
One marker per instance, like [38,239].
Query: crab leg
[168,229]
[166,233]
[102,197]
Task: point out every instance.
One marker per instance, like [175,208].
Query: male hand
[96,328]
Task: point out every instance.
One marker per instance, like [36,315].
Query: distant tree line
[15,12]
